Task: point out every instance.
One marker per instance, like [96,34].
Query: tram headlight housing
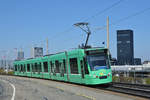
[109,74]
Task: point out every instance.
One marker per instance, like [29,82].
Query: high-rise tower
[125,48]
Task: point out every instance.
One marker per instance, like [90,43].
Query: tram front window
[97,62]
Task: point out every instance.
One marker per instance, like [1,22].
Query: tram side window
[15,67]
[21,68]
[64,62]
[24,68]
[74,65]
[51,66]
[57,66]
[35,66]
[45,67]
[39,67]
[85,67]
[33,70]
[28,67]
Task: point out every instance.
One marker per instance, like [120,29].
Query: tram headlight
[109,74]
[95,76]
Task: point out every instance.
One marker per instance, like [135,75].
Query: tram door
[61,69]
[82,69]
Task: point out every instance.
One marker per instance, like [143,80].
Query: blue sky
[26,23]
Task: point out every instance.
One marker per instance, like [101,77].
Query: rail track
[132,89]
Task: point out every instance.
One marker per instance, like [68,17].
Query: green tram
[83,66]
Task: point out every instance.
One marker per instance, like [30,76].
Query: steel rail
[131,89]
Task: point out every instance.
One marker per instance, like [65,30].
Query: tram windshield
[98,61]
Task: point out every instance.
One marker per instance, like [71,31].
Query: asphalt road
[5,90]
[39,89]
